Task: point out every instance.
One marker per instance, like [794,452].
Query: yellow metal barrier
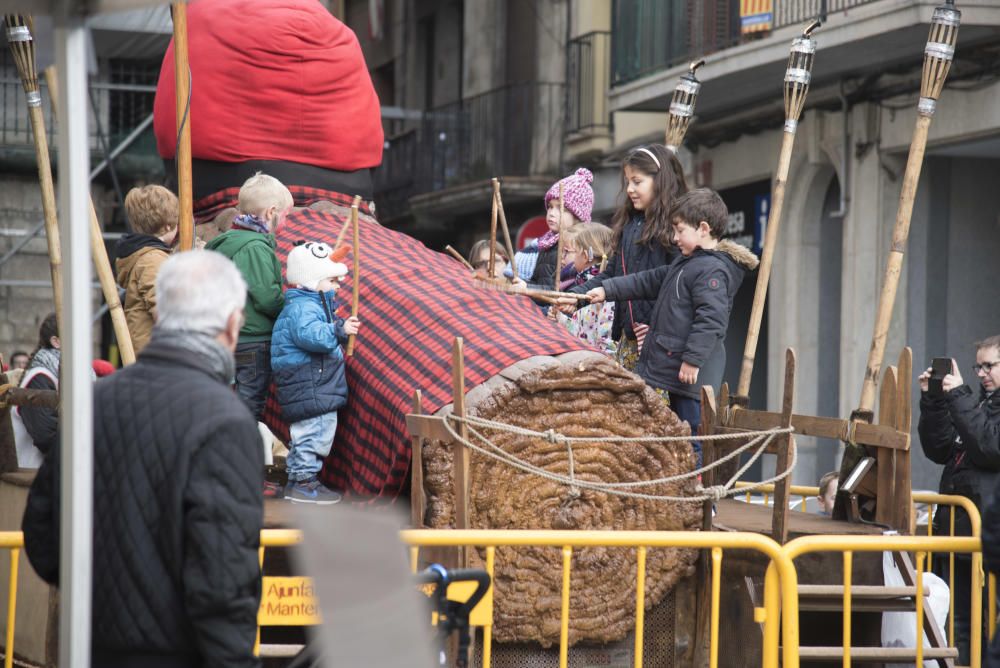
[780,567]
[932,500]
[922,545]
[13,541]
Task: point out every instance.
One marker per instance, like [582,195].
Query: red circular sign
[530,230]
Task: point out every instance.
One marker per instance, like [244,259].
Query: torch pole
[22,47]
[797,78]
[182,85]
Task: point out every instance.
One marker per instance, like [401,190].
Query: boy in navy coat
[684,348]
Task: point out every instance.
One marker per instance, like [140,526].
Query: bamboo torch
[22,45]
[682,106]
[559,243]
[182,85]
[797,77]
[357,273]
[102,264]
[938,54]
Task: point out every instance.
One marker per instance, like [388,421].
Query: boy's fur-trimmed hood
[741,255]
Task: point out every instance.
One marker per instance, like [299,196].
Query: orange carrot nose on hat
[309,262]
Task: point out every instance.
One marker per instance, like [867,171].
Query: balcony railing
[121,98]
[515,131]
[588,69]
[652,35]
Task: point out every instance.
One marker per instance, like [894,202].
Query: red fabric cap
[273,80]
[102,368]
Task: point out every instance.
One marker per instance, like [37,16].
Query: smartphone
[940,367]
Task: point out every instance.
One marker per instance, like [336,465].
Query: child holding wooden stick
[308,362]
[693,299]
[652,178]
[586,248]
[537,262]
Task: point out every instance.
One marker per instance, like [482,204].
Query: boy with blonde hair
[153,214]
[264,202]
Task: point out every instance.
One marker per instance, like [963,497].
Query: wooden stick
[185,196]
[102,263]
[503,225]
[418,500]
[458,256]
[779,521]
[22,47]
[357,273]
[346,226]
[559,244]
[460,454]
[528,292]
[493,228]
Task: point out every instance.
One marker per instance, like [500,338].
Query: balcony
[652,41]
[588,120]
[436,162]
[121,101]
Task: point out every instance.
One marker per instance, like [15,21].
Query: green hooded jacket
[253,254]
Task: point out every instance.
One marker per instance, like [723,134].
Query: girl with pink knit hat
[537,262]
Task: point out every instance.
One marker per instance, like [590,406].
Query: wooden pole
[460,454]
[22,47]
[796,86]
[182,85]
[102,263]
[493,229]
[458,256]
[779,521]
[418,501]
[938,55]
[347,225]
[357,274]
[559,244]
[503,224]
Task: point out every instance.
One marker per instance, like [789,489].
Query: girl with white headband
[652,178]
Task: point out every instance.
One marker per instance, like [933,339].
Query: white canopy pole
[76,391]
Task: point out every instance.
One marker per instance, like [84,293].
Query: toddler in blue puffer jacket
[308,365]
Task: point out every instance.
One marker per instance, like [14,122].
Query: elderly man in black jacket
[177,501]
[960,428]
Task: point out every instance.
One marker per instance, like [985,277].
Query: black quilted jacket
[177,517]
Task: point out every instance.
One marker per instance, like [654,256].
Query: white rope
[761,439]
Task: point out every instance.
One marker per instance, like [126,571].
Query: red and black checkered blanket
[413,303]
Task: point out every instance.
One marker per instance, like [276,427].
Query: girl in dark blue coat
[308,365]
[652,178]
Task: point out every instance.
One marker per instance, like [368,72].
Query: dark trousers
[253,375]
[962,588]
[688,410]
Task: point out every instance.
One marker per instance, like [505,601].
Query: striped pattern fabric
[207,208]
[413,303]
[756,15]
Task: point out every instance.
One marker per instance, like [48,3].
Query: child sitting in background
[479,258]
[152,213]
[308,365]
[586,248]
[537,262]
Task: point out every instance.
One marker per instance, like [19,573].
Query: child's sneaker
[310,490]
[273,490]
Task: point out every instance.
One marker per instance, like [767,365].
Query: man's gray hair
[197,291]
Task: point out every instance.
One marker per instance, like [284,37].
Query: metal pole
[76,419]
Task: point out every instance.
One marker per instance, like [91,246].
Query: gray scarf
[48,359]
[217,359]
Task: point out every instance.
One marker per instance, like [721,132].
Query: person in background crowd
[828,492]
[479,258]
[959,427]
[19,359]
[153,215]
[177,507]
